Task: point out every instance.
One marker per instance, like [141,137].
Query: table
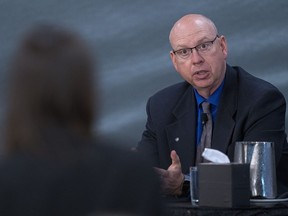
[267,209]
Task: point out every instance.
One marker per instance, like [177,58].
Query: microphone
[204,118]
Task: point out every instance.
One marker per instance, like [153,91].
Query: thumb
[175,158]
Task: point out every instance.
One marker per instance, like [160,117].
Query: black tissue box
[224,185]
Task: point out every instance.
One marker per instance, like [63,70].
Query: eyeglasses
[202,48]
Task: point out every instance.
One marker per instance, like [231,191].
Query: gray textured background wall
[130,38]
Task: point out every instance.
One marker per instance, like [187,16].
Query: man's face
[203,70]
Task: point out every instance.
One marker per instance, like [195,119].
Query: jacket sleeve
[148,142]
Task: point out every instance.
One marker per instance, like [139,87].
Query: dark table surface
[185,208]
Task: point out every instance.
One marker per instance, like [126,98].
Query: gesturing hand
[172,178]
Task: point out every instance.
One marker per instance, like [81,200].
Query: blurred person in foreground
[52,163]
[243,107]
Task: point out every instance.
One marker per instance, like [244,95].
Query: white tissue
[215,156]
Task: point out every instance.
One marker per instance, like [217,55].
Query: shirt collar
[213,99]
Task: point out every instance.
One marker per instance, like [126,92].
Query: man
[242,106]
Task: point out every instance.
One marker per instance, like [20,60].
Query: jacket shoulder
[173,91]
[254,86]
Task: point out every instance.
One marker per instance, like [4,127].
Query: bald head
[191,24]
[205,71]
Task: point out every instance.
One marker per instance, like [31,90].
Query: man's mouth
[202,74]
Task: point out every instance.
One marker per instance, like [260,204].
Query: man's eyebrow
[203,40]
[200,41]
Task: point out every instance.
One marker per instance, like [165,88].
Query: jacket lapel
[225,123]
[181,133]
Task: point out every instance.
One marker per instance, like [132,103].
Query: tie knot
[206,107]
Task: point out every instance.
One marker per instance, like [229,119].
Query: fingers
[172,178]
[161,172]
[171,181]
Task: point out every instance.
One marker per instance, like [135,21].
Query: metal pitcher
[261,156]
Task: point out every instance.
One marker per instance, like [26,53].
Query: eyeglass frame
[195,47]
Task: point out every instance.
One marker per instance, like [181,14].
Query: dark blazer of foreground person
[52,165]
[78,177]
[250,100]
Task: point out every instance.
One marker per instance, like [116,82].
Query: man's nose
[196,57]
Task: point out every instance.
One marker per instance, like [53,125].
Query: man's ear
[223,45]
[173,59]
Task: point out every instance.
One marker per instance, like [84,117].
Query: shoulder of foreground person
[132,179]
[103,178]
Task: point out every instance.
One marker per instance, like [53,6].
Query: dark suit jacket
[75,176]
[250,109]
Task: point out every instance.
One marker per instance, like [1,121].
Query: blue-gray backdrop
[130,38]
